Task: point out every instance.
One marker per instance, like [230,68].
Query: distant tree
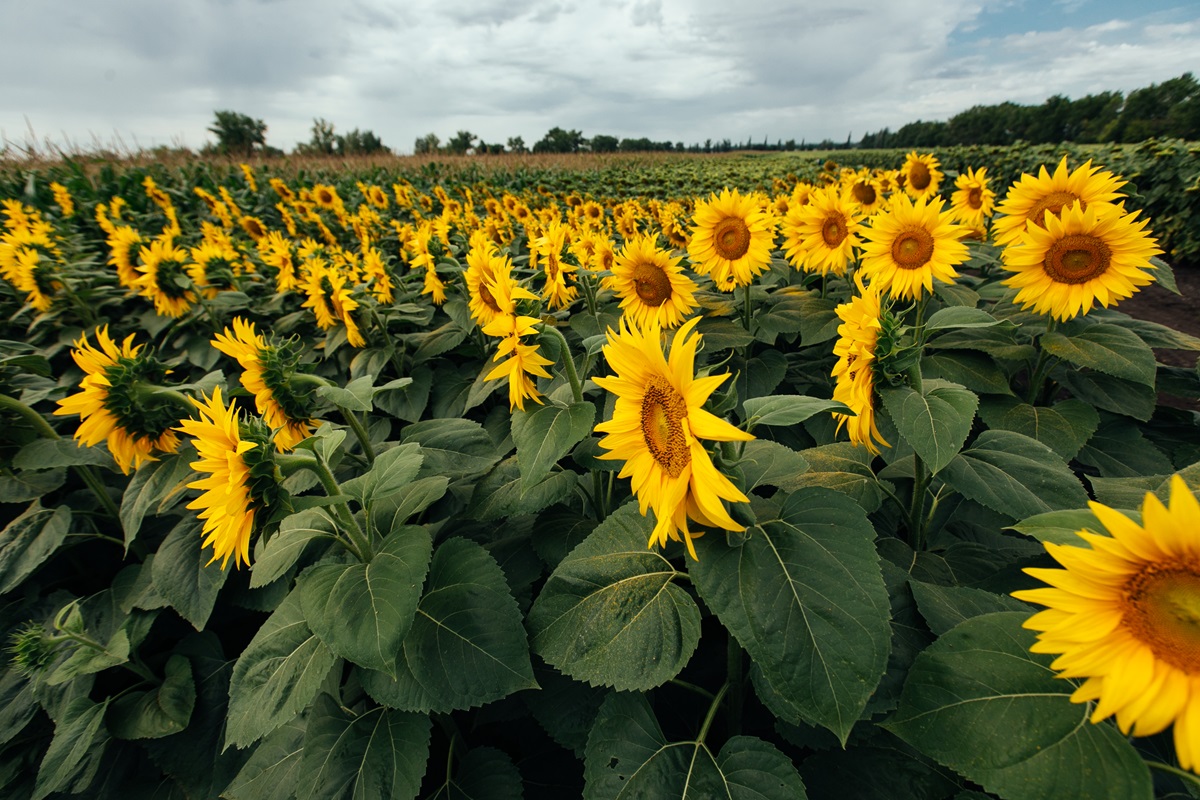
[427,144]
[358,142]
[323,139]
[489,149]
[517,145]
[558,140]
[238,134]
[602,143]
[460,143]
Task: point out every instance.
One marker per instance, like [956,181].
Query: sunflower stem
[735,678]
[84,471]
[1037,377]
[712,713]
[691,687]
[361,432]
[598,504]
[568,362]
[360,545]
[1183,775]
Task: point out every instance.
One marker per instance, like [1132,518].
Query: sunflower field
[789,480]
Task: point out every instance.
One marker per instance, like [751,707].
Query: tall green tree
[238,134]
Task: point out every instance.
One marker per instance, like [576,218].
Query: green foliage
[238,134]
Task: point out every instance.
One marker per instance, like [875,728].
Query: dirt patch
[1178,311]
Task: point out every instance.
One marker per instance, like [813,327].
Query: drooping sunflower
[228,503]
[267,368]
[973,200]
[162,265]
[651,284]
[656,428]
[822,235]
[731,240]
[519,361]
[490,285]
[1097,254]
[113,405]
[1124,614]
[1030,198]
[910,245]
[546,251]
[921,175]
[62,198]
[854,372]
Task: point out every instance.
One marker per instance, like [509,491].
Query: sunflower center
[1054,202]
[864,193]
[912,249]
[1077,258]
[918,176]
[975,198]
[834,229]
[731,238]
[170,279]
[1162,609]
[663,412]
[652,284]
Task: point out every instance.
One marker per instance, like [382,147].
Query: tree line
[1170,109]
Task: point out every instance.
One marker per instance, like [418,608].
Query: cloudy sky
[148,72]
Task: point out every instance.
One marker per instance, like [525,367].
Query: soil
[1178,311]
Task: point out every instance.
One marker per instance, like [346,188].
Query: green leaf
[283,549]
[975,371]
[1105,348]
[273,770]
[767,463]
[392,469]
[406,403]
[612,614]
[74,735]
[1119,396]
[438,341]
[277,675]
[844,467]
[467,645]
[29,540]
[1059,527]
[628,756]
[30,484]
[379,753]
[806,599]
[184,575]
[484,773]
[1119,450]
[50,453]
[1126,492]
[155,713]
[1156,335]
[502,493]
[722,334]
[935,421]
[959,317]
[787,409]
[979,702]
[153,487]
[998,341]
[565,708]
[943,607]
[362,612]
[1064,428]
[784,313]
[453,447]
[545,435]
[1015,475]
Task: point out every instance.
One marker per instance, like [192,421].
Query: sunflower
[1124,615]
[651,284]
[547,251]
[822,235]
[492,289]
[212,267]
[121,242]
[911,244]
[731,240]
[111,407]
[163,266]
[854,372]
[266,372]
[865,191]
[228,503]
[973,201]
[1098,254]
[921,175]
[62,198]
[253,226]
[1030,198]
[656,427]
[523,360]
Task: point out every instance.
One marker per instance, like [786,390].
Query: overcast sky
[151,72]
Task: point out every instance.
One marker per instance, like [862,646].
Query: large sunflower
[909,245]
[921,175]
[111,406]
[1030,198]
[821,236]
[656,428]
[266,369]
[227,504]
[1124,614]
[854,371]
[1097,254]
[651,284]
[731,239]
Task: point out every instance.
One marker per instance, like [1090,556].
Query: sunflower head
[910,245]
[1031,199]
[731,239]
[921,175]
[651,284]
